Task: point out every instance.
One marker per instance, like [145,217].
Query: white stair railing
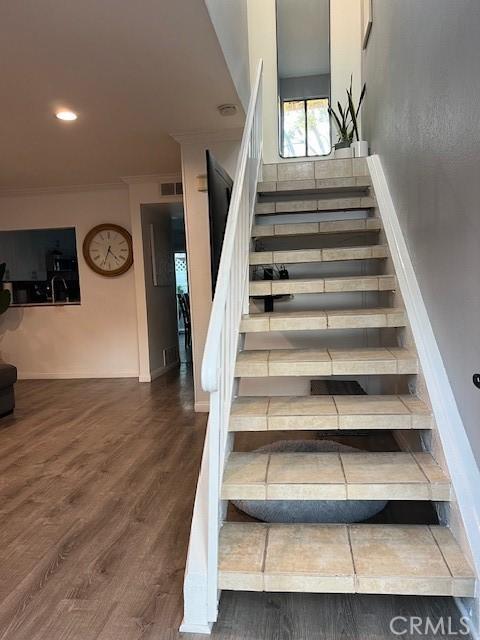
[230,300]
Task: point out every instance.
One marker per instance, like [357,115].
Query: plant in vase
[343,123]
[359,147]
[5,297]
[346,122]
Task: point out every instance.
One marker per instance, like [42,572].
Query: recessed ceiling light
[66,115]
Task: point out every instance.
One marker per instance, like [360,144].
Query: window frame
[282,127]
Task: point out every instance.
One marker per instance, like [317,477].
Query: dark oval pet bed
[330,511]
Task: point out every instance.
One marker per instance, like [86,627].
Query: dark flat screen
[220,187]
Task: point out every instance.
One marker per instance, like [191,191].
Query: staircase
[309,340]
[334,317]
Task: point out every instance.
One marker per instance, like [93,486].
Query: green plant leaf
[336,118]
[353,114]
[362,95]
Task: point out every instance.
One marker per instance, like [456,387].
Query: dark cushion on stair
[8,377]
[329,511]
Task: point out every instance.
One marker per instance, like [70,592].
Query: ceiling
[134,72]
[303,34]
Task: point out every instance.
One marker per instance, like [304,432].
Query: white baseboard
[156,373]
[206,629]
[75,375]
[202,406]
[463,469]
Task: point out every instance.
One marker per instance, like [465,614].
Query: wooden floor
[97,480]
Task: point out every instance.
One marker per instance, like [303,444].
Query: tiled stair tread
[318,320]
[355,558]
[314,204]
[323,285]
[312,228]
[364,475]
[277,413]
[326,362]
[336,254]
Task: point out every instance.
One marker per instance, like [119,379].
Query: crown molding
[154,177]
[207,137]
[6,192]
[124,181]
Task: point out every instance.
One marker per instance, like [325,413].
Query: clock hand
[112,254]
[106,255]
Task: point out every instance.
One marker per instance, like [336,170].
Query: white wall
[345,46]
[198,242]
[161,300]
[98,338]
[229,19]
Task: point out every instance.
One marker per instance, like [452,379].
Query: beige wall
[345,45]
[98,338]
[198,243]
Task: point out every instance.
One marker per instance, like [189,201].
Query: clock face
[108,249]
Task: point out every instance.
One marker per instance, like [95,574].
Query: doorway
[166,286]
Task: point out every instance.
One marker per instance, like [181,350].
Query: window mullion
[306,127]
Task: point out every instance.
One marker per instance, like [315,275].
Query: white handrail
[221,346]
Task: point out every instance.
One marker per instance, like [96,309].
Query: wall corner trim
[461,463]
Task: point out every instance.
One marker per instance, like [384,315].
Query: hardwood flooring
[97,480]
[97,486]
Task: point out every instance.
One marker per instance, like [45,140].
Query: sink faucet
[52,286]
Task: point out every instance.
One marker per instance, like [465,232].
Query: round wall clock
[107,250]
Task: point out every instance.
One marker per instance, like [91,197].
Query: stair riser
[273,369]
[390,491]
[334,171]
[359,185]
[333,285]
[382,586]
[315,228]
[329,423]
[311,205]
[318,255]
[263,325]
